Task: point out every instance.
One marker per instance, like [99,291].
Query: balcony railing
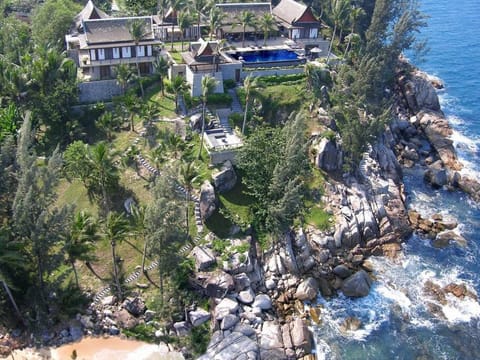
[132,60]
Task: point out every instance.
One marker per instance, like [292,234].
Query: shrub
[235,120]
[229,84]
[219,99]
[282,79]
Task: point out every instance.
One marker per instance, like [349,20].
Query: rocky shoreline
[257,299]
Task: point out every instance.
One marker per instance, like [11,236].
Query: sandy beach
[101,349]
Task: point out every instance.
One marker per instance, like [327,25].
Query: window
[101,54]
[149,50]
[313,33]
[295,34]
[126,53]
[140,50]
[93,55]
[116,53]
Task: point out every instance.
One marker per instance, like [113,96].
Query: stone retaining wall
[101,90]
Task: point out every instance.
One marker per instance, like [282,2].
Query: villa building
[207,58]
[231,29]
[167,27]
[297,22]
[98,43]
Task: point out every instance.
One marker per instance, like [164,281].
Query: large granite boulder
[208,200]
[271,336]
[436,178]
[438,130]
[199,316]
[196,122]
[218,284]
[263,302]
[329,155]
[357,285]
[420,93]
[125,320]
[136,306]
[231,346]
[226,178]
[301,337]
[204,258]
[225,307]
[307,290]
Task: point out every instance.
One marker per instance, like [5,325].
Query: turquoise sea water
[397,322]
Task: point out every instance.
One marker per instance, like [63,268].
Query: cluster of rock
[437,295]
[436,228]
[425,134]
[243,318]
[108,317]
[223,181]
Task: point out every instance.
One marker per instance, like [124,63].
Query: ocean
[398,320]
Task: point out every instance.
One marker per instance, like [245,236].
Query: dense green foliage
[274,163]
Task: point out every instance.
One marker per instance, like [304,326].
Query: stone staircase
[185,249]
[236,106]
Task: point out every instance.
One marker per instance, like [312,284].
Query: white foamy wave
[464,143]
[455,120]
[372,311]
[322,350]
[461,310]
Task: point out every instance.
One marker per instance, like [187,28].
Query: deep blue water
[396,320]
[266,55]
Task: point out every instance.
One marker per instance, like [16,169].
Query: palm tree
[124,76]
[115,229]
[220,46]
[246,19]
[148,111]
[215,17]
[179,86]
[176,6]
[104,173]
[160,66]
[188,176]
[9,257]
[248,85]
[184,22]
[80,240]
[267,23]
[208,86]
[131,103]
[198,6]
[339,9]
[356,12]
[139,228]
[138,31]
[161,6]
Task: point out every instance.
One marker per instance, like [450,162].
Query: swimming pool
[265,56]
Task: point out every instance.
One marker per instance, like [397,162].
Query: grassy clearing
[74,193]
[234,208]
[318,217]
[315,214]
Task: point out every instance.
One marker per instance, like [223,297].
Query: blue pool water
[259,56]
[396,320]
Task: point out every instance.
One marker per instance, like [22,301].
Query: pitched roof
[289,10]
[233,10]
[89,12]
[115,30]
[204,48]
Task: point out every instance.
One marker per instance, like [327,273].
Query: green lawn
[74,193]
[234,208]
